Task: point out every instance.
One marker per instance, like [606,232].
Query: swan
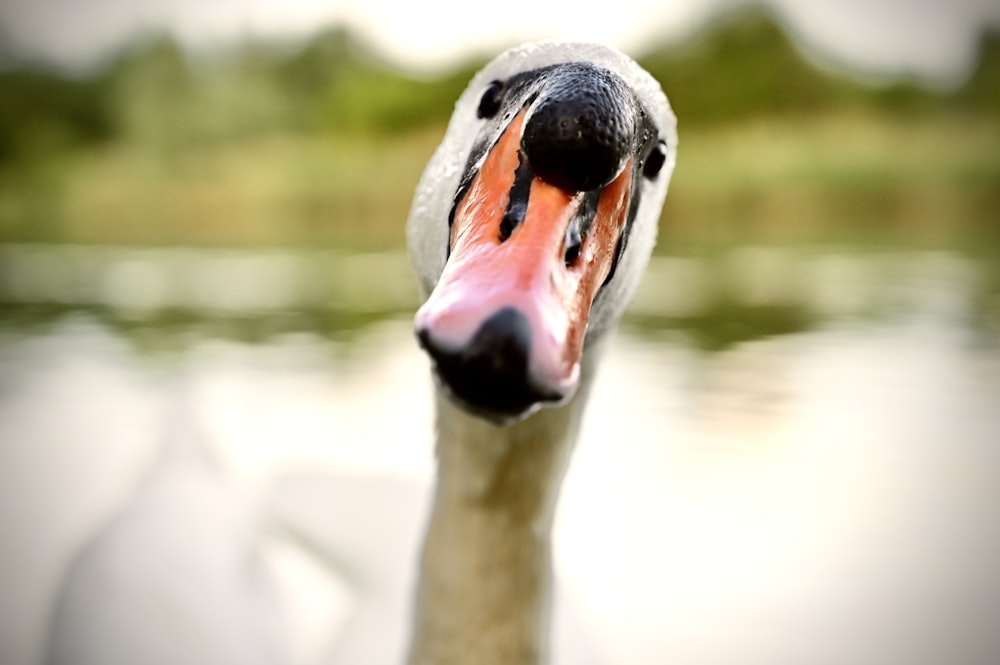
[529,231]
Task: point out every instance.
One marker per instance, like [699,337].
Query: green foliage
[338,86]
[740,67]
[41,111]
[322,143]
[151,89]
[375,100]
[982,91]
[745,65]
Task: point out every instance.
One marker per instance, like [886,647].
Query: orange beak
[530,271]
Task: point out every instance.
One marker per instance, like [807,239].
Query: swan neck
[486,574]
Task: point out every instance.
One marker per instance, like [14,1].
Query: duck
[529,231]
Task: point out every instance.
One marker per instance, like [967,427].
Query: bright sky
[933,39]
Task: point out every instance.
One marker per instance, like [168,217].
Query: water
[790,456]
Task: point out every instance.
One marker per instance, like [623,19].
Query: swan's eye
[489,103]
[657,156]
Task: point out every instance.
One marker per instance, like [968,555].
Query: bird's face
[561,161]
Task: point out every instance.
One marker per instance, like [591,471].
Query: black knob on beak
[581,129]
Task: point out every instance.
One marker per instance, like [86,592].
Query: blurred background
[793,451]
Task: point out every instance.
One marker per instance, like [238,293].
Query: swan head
[534,221]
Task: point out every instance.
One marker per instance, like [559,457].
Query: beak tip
[493,374]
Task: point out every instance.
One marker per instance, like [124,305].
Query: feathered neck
[485,573]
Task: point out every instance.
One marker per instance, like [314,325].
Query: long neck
[486,572]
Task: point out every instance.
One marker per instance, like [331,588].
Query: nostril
[573,243]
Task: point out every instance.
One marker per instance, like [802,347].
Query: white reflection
[135,287]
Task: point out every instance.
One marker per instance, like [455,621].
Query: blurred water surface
[791,455]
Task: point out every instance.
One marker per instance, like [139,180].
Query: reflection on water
[790,457]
